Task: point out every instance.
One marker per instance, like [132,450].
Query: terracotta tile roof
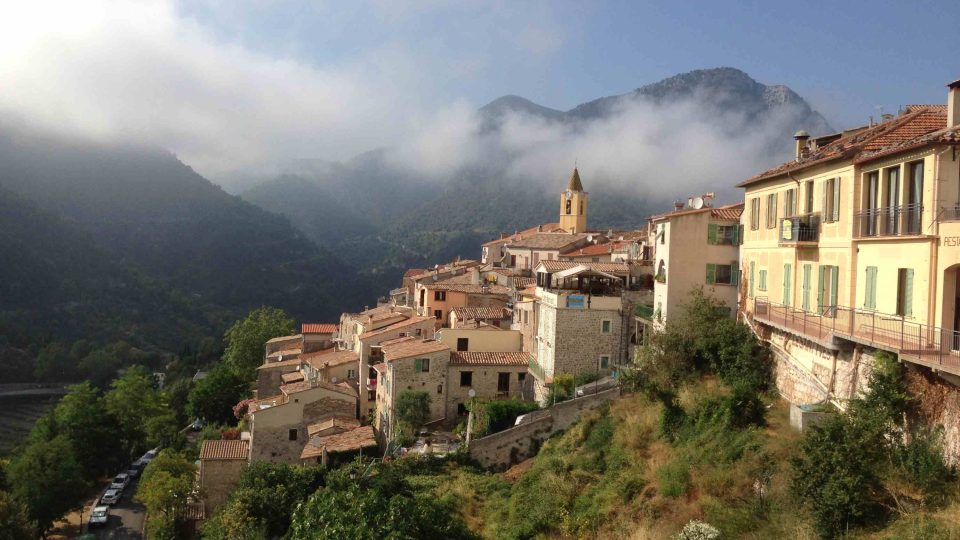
[285,363]
[291,377]
[546,227]
[285,338]
[398,340]
[220,449]
[330,359]
[523,282]
[610,268]
[318,328]
[303,386]
[473,313]
[414,272]
[286,352]
[489,358]
[593,249]
[412,321]
[343,423]
[446,267]
[381,367]
[548,241]
[409,349]
[727,212]
[348,441]
[467,288]
[881,139]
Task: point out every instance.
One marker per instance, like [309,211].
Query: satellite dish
[697,202]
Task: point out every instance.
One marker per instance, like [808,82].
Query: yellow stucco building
[854,246]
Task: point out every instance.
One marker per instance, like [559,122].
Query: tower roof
[575,184]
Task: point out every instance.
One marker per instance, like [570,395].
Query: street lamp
[472,393]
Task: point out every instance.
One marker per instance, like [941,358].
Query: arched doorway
[950,314]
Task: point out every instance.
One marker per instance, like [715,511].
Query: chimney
[801,137]
[539,228]
[474,276]
[503,235]
[953,104]
[678,206]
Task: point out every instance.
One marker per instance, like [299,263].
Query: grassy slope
[611,476]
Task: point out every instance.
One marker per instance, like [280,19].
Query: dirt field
[17,416]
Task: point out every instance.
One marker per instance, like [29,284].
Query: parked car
[99,517]
[111,496]
[120,481]
[134,470]
[197,425]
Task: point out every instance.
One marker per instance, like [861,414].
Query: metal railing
[644,311]
[797,229]
[903,220]
[950,213]
[915,342]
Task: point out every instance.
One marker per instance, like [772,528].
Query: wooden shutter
[820,290]
[806,287]
[734,270]
[752,276]
[908,292]
[711,274]
[834,282]
[712,233]
[737,234]
[870,300]
[836,199]
[787,300]
[417,365]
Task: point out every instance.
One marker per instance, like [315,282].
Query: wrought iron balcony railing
[803,229]
[902,220]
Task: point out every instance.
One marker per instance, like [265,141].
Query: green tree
[81,415]
[412,408]
[100,367]
[48,479]
[53,363]
[15,523]
[245,340]
[373,501]
[177,393]
[133,401]
[264,501]
[165,489]
[214,396]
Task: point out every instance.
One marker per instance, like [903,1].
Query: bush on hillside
[698,530]
[498,415]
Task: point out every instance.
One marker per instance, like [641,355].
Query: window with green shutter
[820,288]
[905,292]
[870,294]
[734,271]
[712,233]
[751,280]
[763,280]
[807,271]
[711,274]
[787,285]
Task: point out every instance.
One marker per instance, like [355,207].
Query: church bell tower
[573,205]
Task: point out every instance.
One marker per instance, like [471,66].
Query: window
[727,235]
[662,233]
[439,388]
[763,280]
[787,285]
[827,291]
[419,332]
[371,395]
[351,374]
[808,189]
[569,207]
[581,208]
[521,377]
[872,203]
[438,314]
[292,435]
[870,292]
[807,271]
[751,280]
[605,327]
[463,343]
[905,292]
[771,210]
[723,274]
[503,382]
[604,362]
[790,203]
[914,198]
[440,295]
[831,200]
[421,365]
[754,213]
[466,378]
[462,409]
[893,201]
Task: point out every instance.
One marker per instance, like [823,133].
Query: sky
[231,84]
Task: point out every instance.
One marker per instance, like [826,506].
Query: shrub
[498,415]
[674,477]
[919,463]
[698,530]
[413,408]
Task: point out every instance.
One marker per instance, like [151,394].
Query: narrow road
[126,517]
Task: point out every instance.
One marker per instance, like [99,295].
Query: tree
[264,501]
[53,363]
[48,479]
[99,367]
[373,501]
[177,393]
[165,489]
[245,340]
[133,400]
[15,523]
[214,396]
[412,408]
[81,415]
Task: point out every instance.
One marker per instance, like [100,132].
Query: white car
[120,481]
[148,457]
[111,496]
[99,516]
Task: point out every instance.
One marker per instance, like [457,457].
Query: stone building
[491,375]
[221,465]
[411,365]
[469,316]
[278,425]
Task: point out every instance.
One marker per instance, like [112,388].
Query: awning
[582,270]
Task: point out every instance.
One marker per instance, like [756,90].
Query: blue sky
[845,57]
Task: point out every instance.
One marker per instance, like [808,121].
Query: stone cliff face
[936,403]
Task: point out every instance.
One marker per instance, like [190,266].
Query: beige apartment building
[854,246]
[694,247]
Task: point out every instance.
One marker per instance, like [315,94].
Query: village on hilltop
[850,248]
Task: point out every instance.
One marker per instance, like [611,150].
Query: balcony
[644,311]
[931,346]
[905,220]
[800,230]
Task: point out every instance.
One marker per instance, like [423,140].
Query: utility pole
[470,393]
